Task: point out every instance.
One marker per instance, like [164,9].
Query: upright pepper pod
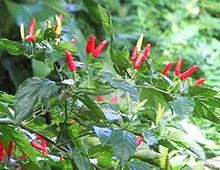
[99,49]
[199,82]
[138,62]
[166,69]
[42,146]
[10,148]
[70,62]
[90,46]
[99,99]
[31,33]
[146,52]
[58,27]
[134,54]
[2,150]
[178,67]
[188,72]
[139,140]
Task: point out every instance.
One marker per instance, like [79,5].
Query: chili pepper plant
[101,107]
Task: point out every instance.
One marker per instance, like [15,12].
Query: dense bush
[83,102]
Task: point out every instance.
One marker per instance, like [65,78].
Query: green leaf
[38,9]
[96,112]
[6,97]
[183,106]
[4,109]
[103,134]
[31,92]
[149,137]
[66,46]
[111,114]
[40,68]
[125,86]
[11,47]
[206,112]
[121,58]
[138,165]
[183,140]
[82,163]
[123,144]
[106,20]
[21,141]
[202,91]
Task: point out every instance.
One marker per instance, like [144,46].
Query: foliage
[65,108]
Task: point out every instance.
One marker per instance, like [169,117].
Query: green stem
[64,122]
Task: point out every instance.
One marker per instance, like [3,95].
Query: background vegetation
[187,28]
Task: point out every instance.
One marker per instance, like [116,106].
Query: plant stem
[64,122]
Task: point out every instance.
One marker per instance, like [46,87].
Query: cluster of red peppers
[184,75]
[9,151]
[138,56]
[42,146]
[31,29]
[90,49]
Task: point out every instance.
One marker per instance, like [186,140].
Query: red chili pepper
[72,41]
[99,49]
[40,146]
[134,55]
[178,66]
[61,18]
[199,82]
[139,140]
[138,62]
[70,61]
[146,51]
[61,158]
[113,100]
[72,121]
[2,150]
[31,33]
[10,148]
[166,69]
[188,72]
[23,155]
[90,46]
[99,99]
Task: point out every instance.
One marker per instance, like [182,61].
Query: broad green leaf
[138,165]
[21,141]
[4,109]
[6,97]
[121,58]
[96,112]
[111,114]
[206,112]
[123,144]
[93,10]
[154,98]
[183,106]
[31,92]
[11,47]
[23,13]
[106,20]
[201,91]
[149,137]
[40,68]
[66,46]
[183,140]
[126,87]
[81,162]
[103,134]
[164,158]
